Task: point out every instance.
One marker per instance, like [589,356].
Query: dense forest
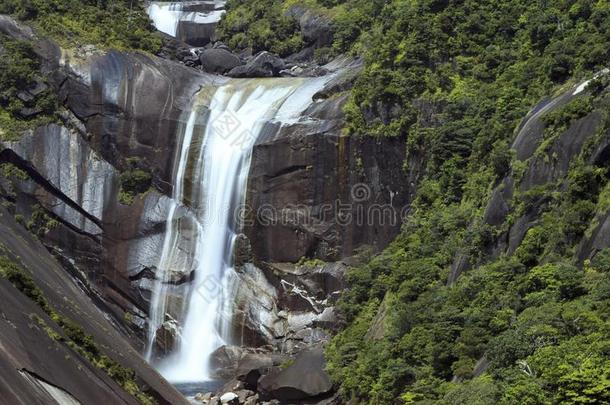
[455,78]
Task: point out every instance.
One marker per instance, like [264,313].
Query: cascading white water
[211,177]
[167,15]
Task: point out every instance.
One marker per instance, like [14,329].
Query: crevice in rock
[9,156]
[288,170]
[59,394]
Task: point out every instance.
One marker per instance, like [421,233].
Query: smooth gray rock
[264,64]
[316,29]
[303,379]
[218,60]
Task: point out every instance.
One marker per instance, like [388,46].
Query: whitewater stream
[210,178]
[166,16]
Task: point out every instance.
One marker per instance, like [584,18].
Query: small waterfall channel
[210,180]
[166,16]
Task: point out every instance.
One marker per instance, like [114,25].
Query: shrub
[134,181]
[120,24]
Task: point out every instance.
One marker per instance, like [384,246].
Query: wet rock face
[31,360]
[315,193]
[65,190]
[167,336]
[120,106]
[132,105]
[243,251]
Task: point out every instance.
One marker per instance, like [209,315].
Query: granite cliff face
[126,107]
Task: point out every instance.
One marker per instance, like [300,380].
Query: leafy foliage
[260,25]
[134,181]
[455,79]
[22,88]
[120,24]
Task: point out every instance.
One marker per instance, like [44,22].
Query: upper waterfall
[210,178]
[166,16]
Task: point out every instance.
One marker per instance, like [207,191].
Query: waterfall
[167,15]
[210,178]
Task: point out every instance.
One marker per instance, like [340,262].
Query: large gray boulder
[218,60]
[305,378]
[264,64]
[316,29]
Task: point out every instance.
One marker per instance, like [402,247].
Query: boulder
[264,64]
[305,378]
[242,395]
[205,398]
[316,29]
[225,359]
[218,60]
[229,398]
[166,336]
[250,379]
[253,400]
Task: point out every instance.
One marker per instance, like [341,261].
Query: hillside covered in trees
[525,323]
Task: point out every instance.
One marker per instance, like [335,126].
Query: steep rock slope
[38,359]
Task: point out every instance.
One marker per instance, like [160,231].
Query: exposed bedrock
[329,194]
[132,105]
[315,193]
[119,106]
[287,307]
[37,364]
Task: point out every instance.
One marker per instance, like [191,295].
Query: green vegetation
[260,25]
[134,181]
[40,222]
[454,78]
[559,120]
[13,175]
[119,24]
[23,282]
[75,336]
[9,170]
[312,263]
[538,319]
[26,101]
